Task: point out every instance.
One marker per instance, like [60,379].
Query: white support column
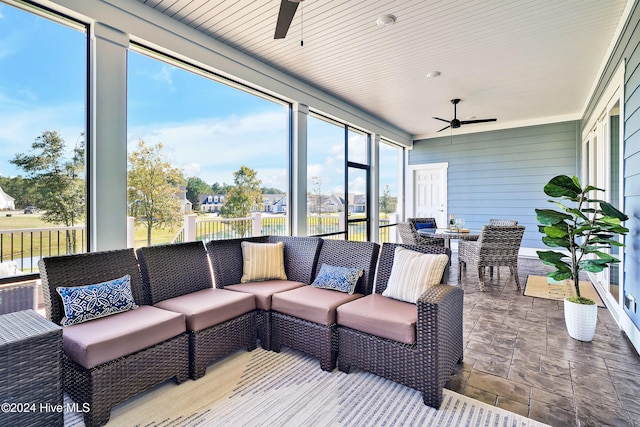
[374,188]
[393,231]
[256,224]
[190,228]
[298,193]
[107,141]
[131,224]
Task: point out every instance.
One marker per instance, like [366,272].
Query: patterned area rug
[538,286]
[264,388]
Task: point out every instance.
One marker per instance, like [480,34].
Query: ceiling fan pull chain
[301,23]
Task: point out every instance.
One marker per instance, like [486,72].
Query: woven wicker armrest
[439,328]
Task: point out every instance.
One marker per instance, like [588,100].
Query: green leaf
[593,265]
[556,243]
[556,231]
[562,186]
[592,188]
[610,210]
[551,217]
[559,276]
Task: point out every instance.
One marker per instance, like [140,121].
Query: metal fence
[223,228]
[26,246]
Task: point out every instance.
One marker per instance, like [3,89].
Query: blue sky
[208,129]
[41,91]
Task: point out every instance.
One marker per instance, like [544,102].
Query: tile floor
[518,356]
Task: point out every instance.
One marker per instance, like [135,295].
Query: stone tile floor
[518,356]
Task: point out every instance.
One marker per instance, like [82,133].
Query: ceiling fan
[455,123]
[285,16]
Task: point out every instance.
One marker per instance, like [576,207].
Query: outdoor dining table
[449,234]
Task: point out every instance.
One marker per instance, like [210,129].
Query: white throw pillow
[262,261]
[413,273]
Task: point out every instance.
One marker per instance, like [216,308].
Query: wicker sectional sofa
[197,290]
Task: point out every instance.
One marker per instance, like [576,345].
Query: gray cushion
[209,307]
[101,340]
[381,316]
[313,304]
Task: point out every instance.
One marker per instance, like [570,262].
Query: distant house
[6,201]
[274,203]
[329,204]
[211,203]
[357,203]
[186,207]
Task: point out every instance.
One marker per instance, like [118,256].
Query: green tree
[388,203]
[58,180]
[271,190]
[154,188]
[22,190]
[218,188]
[195,188]
[242,198]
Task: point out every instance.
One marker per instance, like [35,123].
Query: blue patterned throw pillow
[83,303]
[341,279]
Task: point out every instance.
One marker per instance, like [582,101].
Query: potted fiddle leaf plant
[582,229]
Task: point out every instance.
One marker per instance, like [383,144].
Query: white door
[430,192]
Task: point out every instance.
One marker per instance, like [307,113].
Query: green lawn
[159,236]
[20,220]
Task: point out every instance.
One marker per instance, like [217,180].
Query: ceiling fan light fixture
[385,20]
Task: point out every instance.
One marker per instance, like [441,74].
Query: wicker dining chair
[430,222]
[497,246]
[410,236]
[494,221]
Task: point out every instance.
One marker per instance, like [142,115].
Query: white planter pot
[581,320]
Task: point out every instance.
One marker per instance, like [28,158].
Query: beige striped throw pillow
[262,261]
[413,273]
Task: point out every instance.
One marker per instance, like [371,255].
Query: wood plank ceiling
[521,61]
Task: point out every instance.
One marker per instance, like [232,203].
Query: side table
[30,370]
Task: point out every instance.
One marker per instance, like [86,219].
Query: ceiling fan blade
[444,128]
[438,118]
[285,16]
[468,122]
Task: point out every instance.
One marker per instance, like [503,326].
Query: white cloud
[314,169]
[358,185]
[191,169]
[164,75]
[25,122]
[220,146]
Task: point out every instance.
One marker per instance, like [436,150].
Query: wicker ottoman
[30,370]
